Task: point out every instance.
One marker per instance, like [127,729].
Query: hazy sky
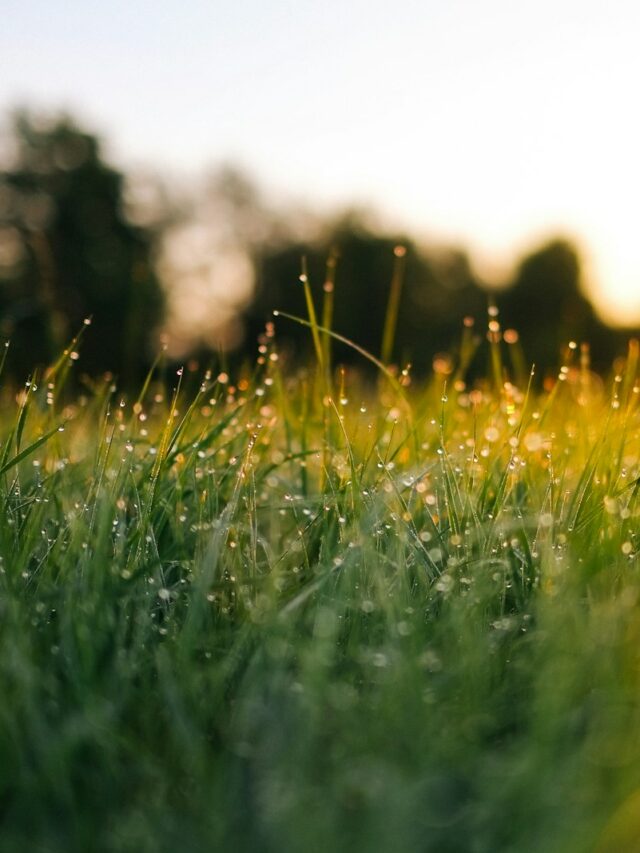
[489,121]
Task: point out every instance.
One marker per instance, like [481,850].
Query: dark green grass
[298,615]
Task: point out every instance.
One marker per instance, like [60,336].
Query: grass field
[295,611]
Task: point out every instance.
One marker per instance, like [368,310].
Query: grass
[303,613]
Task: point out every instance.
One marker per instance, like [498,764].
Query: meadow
[302,609]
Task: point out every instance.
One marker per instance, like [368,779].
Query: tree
[68,251]
[437,291]
[546,305]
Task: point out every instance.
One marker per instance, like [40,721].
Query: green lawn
[309,612]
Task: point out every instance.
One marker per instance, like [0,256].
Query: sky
[488,122]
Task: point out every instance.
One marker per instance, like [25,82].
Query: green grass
[309,614]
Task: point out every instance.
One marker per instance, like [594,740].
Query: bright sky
[489,121]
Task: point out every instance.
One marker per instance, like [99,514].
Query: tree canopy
[68,251]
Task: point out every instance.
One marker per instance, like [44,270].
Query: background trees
[68,251]
[208,262]
[546,303]
[437,290]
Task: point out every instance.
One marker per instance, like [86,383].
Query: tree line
[74,244]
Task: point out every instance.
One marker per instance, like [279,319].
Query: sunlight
[613,274]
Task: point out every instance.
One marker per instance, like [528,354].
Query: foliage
[544,298]
[71,247]
[67,251]
[358,263]
[546,303]
[299,614]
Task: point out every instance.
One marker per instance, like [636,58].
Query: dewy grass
[241,615]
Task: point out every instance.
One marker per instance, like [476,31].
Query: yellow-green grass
[295,610]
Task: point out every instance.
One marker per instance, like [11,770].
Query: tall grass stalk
[393,305]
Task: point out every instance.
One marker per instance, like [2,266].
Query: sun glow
[613,276]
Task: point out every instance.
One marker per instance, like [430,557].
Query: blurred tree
[68,251]
[437,292]
[546,305]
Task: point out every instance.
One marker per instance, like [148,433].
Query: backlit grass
[292,610]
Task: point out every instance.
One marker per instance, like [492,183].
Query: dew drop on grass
[435,555]
[611,505]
